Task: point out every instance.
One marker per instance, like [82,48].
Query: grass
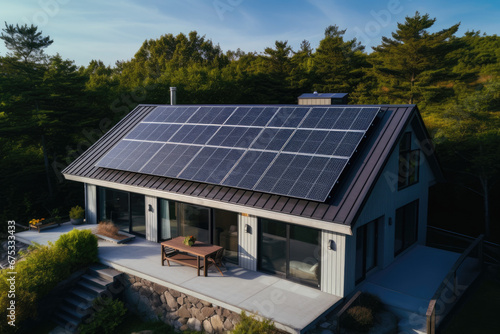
[479,312]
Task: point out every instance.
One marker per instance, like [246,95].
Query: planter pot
[78,221]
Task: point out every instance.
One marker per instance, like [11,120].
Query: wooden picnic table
[188,255]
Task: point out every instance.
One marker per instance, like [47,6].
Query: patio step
[78,304]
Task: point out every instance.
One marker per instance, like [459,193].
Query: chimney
[323,98]
[173,96]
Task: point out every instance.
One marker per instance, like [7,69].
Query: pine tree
[409,64]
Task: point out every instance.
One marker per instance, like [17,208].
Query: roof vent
[323,98]
[173,95]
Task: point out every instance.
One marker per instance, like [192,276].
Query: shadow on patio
[291,306]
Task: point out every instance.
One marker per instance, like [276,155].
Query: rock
[174,293]
[137,286]
[217,324]
[226,313]
[235,318]
[159,289]
[207,326]
[326,331]
[180,301]
[193,300]
[196,313]
[155,300]
[194,324]
[184,327]
[218,310]
[177,324]
[207,312]
[144,332]
[205,303]
[170,300]
[144,291]
[228,325]
[183,320]
[183,312]
[162,299]
[199,305]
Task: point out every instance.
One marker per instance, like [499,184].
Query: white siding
[384,199]
[151,218]
[247,241]
[332,263]
[90,204]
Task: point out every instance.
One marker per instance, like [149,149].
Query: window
[406,229]
[366,249]
[126,210]
[289,251]
[409,161]
[214,226]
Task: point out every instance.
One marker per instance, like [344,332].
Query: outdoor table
[194,253]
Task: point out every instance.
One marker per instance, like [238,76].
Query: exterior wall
[384,199]
[333,263]
[90,203]
[152,301]
[247,241]
[151,218]
[315,101]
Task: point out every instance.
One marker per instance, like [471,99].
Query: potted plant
[189,241]
[76,215]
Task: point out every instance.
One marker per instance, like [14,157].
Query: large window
[366,249]
[406,229]
[126,210]
[409,161]
[214,226]
[289,251]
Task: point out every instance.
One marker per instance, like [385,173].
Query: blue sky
[83,30]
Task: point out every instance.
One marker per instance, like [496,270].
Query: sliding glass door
[289,251]
[209,225]
[125,210]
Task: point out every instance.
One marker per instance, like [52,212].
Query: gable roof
[349,194]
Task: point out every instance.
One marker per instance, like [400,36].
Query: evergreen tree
[413,61]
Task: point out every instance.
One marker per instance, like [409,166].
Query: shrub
[370,301]
[107,228]
[109,314]
[358,318]
[80,246]
[250,325]
[76,212]
[39,273]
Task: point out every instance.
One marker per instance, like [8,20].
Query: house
[323,195]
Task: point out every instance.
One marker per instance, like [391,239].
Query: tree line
[52,110]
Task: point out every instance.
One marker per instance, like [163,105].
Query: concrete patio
[293,307]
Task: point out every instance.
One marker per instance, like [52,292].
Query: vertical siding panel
[332,263]
[91,204]
[151,218]
[247,242]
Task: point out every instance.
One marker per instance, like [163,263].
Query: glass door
[194,220]
[137,214]
[226,233]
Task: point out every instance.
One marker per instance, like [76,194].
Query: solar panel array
[292,151]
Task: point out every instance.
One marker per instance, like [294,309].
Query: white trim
[333,227]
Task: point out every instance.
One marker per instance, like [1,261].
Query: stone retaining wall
[153,301]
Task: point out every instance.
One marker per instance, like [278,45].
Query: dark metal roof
[323,96]
[347,200]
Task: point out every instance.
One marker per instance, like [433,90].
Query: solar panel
[295,151]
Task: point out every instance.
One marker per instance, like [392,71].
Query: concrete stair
[98,281]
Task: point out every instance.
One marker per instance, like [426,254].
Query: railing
[457,242]
[345,307]
[458,279]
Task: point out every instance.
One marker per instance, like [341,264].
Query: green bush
[41,270]
[76,212]
[39,273]
[358,318]
[250,325]
[80,246]
[109,314]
